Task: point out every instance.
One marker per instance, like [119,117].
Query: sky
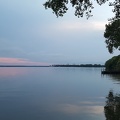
[31,35]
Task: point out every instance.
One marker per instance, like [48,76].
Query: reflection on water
[113,77]
[11,71]
[81,109]
[112,107]
[54,94]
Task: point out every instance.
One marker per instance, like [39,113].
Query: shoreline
[110,72]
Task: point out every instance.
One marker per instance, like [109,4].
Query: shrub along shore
[112,66]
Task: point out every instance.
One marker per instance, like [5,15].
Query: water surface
[51,93]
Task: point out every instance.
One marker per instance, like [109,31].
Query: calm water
[48,93]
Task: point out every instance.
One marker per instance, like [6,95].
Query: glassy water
[49,93]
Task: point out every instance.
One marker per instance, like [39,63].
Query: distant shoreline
[81,65]
[67,65]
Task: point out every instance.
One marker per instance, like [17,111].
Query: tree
[112,35]
[112,32]
[113,64]
[116,10]
[59,7]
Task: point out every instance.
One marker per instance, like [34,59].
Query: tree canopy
[113,64]
[112,32]
[60,7]
[112,35]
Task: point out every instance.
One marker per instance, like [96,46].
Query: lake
[54,93]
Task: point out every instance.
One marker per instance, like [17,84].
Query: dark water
[48,93]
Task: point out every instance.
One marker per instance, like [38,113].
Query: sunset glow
[19,61]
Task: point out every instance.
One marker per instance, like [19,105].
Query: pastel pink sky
[19,61]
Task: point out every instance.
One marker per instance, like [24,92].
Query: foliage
[112,32]
[116,10]
[113,64]
[60,7]
[112,35]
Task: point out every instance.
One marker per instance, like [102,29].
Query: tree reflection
[115,77]
[112,107]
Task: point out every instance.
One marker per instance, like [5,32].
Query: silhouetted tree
[112,35]
[60,7]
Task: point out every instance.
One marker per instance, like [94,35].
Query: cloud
[19,61]
[99,25]
[83,26]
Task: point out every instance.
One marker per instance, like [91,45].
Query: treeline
[113,64]
[81,65]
